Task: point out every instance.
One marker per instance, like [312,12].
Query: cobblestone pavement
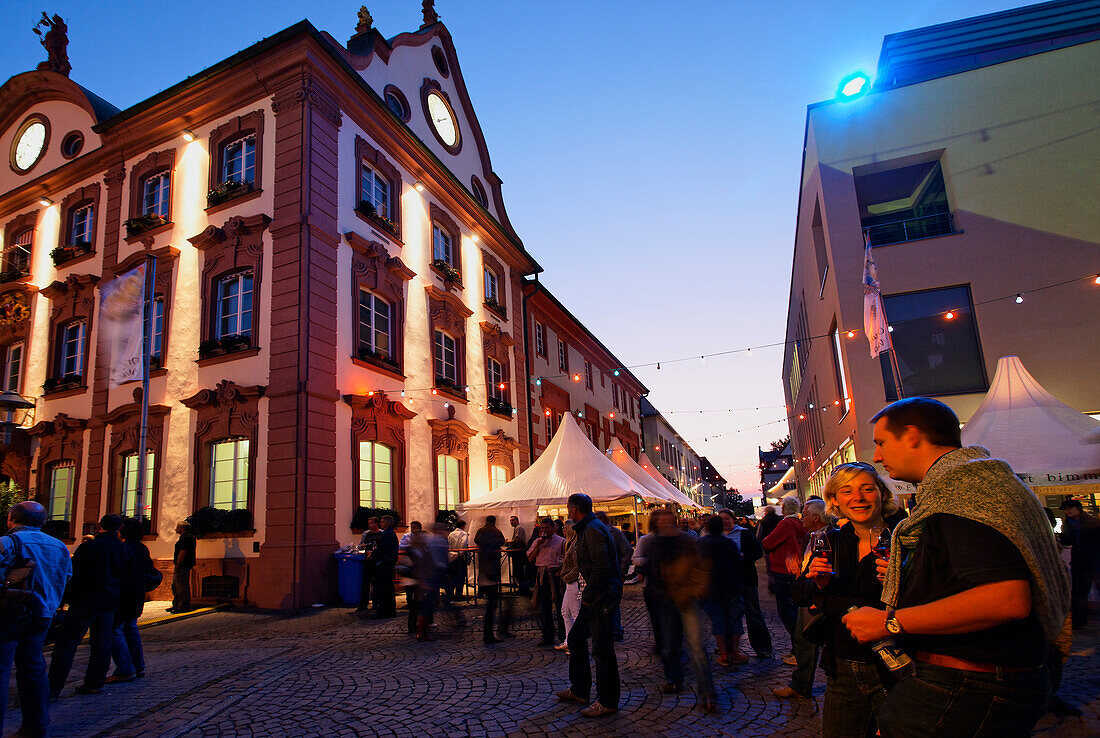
[325,673]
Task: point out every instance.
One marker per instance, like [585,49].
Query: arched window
[446,358]
[449,482]
[128,478]
[156,191]
[239,160]
[499,477]
[375,326]
[375,475]
[374,190]
[229,474]
[62,481]
[234,306]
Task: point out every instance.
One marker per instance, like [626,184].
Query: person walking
[517,557]
[857,679]
[99,567]
[547,552]
[385,555]
[1081,533]
[760,638]
[21,641]
[722,603]
[639,559]
[625,553]
[458,540]
[184,558]
[803,651]
[489,541]
[784,547]
[598,565]
[982,592]
[140,578]
[369,544]
[768,522]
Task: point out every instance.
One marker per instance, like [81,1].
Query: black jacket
[99,568]
[751,552]
[598,562]
[132,594]
[386,552]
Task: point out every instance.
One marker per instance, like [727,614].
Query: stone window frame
[540,328]
[59,440]
[78,198]
[232,130]
[125,423]
[16,227]
[227,411]
[493,264]
[153,164]
[378,419]
[439,217]
[235,247]
[498,344]
[373,269]
[451,437]
[162,287]
[365,152]
[16,303]
[404,101]
[447,313]
[499,449]
[477,189]
[73,300]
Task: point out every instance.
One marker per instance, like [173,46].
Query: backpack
[17,599]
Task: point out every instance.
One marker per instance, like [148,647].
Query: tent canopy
[620,458]
[1044,440]
[569,464]
[677,496]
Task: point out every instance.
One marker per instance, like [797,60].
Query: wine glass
[820,546]
[880,541]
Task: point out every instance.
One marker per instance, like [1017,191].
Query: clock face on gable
[29,144]
[442,119]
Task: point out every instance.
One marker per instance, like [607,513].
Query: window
[499,477]
[442,249]
[935,356]
[234,306]
[479,192]
[13,368]
[62,482]
[491,293]
[563,356]
[17,256]
[446,358]
[71,350]
[397,105]
[157,349]
[495,374]
[374,189]
[540,339]
[83,223]
[375,475]
[449,471]
[155,192]
[587,375]
[838,372]
[374,325]
[129,484]
[239,160]
[902,203]
[817,230]
[615,395]
[229,474]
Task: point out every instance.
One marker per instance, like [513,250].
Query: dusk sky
[650,154]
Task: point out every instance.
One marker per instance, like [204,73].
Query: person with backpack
[142,577]
[22,635]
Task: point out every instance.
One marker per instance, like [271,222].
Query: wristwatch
[892,624]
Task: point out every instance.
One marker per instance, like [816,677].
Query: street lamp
[11,403]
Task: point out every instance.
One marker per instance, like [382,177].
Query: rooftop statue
[365,20]
[56,41]
[430,16]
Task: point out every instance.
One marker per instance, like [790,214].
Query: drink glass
[820,546]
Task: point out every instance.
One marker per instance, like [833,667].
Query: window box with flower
[13,273]
[220,346]
[60,384]
[67,252]
[449,273]
[226,191]
[499,407]
[449,387]
[378,357]
[142,223]
[497,308]
[367,209]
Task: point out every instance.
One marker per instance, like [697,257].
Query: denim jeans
[788,613]
[725,614]
[126,649]
[23,647]
[760,638]
[73,628]
[950,702]
[852,699]
[805,654]
[677,622]
[591,622]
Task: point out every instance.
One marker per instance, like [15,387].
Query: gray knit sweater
[968,483]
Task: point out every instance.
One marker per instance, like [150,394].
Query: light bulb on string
[851,334]
[402,393]
[950,315]
[1019,299]
[658,366]
[616,372]
[1097,280]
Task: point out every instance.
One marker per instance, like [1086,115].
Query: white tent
[677,496]
[1044,440]
[569,464]
[620,458]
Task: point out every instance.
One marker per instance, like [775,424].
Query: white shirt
[458,538]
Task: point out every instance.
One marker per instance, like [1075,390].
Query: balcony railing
[910,229]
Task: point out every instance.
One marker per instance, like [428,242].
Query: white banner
[874,316]
[121,328]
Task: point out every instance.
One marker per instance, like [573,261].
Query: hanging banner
[874,316]
[121,328]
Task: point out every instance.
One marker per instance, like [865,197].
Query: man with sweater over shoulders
[975,590]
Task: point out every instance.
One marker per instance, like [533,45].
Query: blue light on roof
[854,85]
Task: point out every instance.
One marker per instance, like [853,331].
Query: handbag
[816,629]
[17,598]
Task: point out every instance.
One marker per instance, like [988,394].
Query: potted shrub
[498,407]
[368,211]
[496,307]
[209,520]
[143,223]
[448,272]
[226,191]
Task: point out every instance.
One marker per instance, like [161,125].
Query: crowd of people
[953,619]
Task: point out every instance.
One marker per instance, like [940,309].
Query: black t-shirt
[956,554]
[186,543]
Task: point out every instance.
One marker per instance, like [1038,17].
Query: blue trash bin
[349,576]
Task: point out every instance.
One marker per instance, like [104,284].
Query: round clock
[29,144]
[442,119]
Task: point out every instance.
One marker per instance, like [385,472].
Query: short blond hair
[846,473]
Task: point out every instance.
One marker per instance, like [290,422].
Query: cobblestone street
[325,673]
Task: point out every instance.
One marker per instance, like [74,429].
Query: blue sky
[650,154]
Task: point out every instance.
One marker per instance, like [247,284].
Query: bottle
[892,655]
